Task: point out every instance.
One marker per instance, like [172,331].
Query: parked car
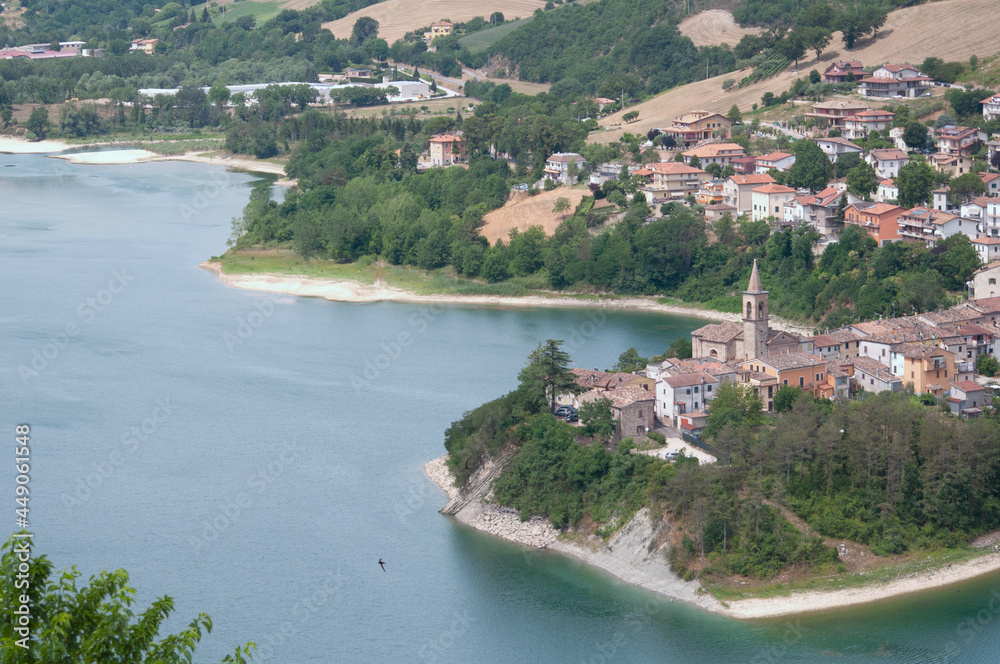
[563,411]
[572,417]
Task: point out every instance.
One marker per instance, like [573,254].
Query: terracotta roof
[763,178]
[986,240]
[873,368]
[988,266]
[871,113]
[774,188]
[689,379]
[713,150]
[888,153]
[795,360]
[917,351]
[624,396]
[673,168]
[968,386]
[842,141]
[719,332]
[985,304]
[720,207]
[774,156]
[824,341]
[843,336]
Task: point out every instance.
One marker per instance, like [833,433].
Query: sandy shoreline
[343,290]
[12,145]
[626,556]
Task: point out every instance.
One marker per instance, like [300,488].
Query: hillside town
[932,354]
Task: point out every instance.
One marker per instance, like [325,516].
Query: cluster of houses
[701,137]
[933,353]
[67,49]
[885,81]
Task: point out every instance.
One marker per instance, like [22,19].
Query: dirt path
[530,211]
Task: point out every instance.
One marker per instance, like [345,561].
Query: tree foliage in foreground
[91,622]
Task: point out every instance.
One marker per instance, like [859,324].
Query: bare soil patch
[523,213]
[714,27]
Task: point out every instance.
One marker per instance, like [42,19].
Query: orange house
[803,370]
[880,220]
[929,368]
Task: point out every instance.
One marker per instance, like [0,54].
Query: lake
[228,448]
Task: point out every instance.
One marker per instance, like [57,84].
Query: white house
[557,166]
[864,123]
[686,393]
[781,161]
[991,108]
[988,249]
[984,281]
[766,201]
[894,81]
[887,191]
[836,146]
[887,162]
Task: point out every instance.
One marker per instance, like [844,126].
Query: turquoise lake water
[226,448]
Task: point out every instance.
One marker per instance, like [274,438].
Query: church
[752,340]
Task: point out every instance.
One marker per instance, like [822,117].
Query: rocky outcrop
[636,554]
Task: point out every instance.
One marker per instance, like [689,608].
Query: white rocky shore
[635,554]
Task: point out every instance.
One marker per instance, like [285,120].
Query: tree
[38,122]
[364,28]
[694,162]
[546,376]
[812,168]
[915,182]
[218,95]
[964,188]
[786,397]
[562,204]
[987,366]
[845,163]
[92,623]
[597,418]
[914,134]
[734,115]
[80,121]
[192,105]
[496,18]
[630,361]
[814,76]
[55,45]
[6,114]
[966,103]
[862,180]
[681,346]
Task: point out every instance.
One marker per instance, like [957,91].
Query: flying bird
[381,564]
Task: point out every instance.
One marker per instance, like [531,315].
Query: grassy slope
[903,39]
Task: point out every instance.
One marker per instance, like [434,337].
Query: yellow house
[697,126]
[929,368]
[439,29]
[446,150]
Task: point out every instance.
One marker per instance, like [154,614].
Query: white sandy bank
[627,555]
[12,145]
[343,290]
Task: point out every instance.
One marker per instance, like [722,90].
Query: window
[640,412]
[708,388]
[640,429]
[992,281]
[785,382]
[802,381]
[696,389]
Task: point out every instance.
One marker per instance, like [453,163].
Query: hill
[903,39]
[397,17]
[714,27]
[523,213]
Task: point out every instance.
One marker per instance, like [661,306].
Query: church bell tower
[755,327]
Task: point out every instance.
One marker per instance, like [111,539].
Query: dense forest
[886,471]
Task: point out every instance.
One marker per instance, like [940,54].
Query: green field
[261,11]
[478,42]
